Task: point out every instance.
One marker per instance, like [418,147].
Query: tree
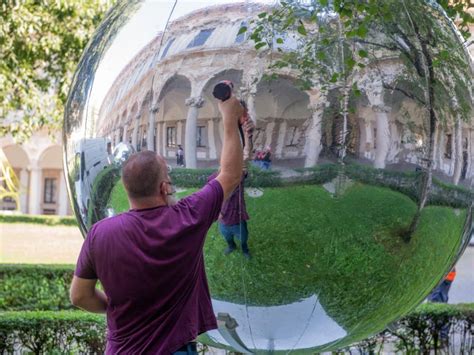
[41,43]
[436,68]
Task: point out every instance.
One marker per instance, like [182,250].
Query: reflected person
[150,259]
[233,217]
[233,220]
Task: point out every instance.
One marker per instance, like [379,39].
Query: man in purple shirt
[150,259]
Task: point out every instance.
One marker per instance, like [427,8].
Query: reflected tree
[336,40]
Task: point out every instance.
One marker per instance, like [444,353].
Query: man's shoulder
[108,225]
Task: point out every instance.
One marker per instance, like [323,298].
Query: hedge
[38,219]
[420,332]
[71,332]
[81,332]
[35,287]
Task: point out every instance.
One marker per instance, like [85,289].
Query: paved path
[35,243]
[462,289]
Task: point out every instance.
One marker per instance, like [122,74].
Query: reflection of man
[150,260]
[233,217]
[233,220]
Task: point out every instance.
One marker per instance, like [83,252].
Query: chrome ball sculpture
[359,186]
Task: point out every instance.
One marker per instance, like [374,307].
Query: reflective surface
[354,215]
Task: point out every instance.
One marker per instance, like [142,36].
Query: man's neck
[146,202]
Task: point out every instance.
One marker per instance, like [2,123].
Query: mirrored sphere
[360,170]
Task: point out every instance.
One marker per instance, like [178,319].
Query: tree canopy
[41,43]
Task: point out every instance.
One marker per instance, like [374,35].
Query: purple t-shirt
[151,265]
[234,210]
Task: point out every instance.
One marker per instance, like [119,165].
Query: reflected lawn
[346,250]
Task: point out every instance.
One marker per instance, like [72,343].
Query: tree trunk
[458,158]
[427,177]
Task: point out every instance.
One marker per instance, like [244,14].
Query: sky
[150,19]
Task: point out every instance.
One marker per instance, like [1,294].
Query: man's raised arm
[231,156]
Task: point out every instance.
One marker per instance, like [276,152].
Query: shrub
[191,177]
[38,219]
[72,332]
[35,287]
[420,331]
[80,332]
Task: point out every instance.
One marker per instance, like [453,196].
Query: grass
[345,250]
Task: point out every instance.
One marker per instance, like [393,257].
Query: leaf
[301,29]
[362,31]
[243,29]
[334,78]
[363,53]
[262,15]
[260,45]
[279,40]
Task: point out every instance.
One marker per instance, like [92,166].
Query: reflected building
[164,94]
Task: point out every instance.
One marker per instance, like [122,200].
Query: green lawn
[345,250]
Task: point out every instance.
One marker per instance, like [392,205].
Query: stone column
[24,190]
[136,125]
[150,145]
[163,139]
[179,132]
[194,103]
[281,139]
[35,190]
[313,132]
[125,133]
[382,140]
[63,197]
[212,139]
[458,151]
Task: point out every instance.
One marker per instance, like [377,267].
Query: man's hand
[231,109]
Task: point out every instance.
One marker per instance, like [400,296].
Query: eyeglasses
[173,189]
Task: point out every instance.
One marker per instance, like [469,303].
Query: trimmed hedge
[38,219]
[35,287]
[81,332]
[73,332]
[420,332]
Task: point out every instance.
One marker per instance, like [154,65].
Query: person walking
[150,260]
[180,156]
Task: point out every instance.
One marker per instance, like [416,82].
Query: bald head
[142,174]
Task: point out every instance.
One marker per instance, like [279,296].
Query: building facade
[163,99]
[38,165]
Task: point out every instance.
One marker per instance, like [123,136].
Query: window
[241,36]
[201,38]
[448,152]
[167,47]
[293,136]
[50,190]
[171,136]
[201,136]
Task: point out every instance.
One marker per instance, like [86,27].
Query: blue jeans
[240,231]
[189,349]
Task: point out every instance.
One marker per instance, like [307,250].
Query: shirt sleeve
[208,201]
[85,265]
